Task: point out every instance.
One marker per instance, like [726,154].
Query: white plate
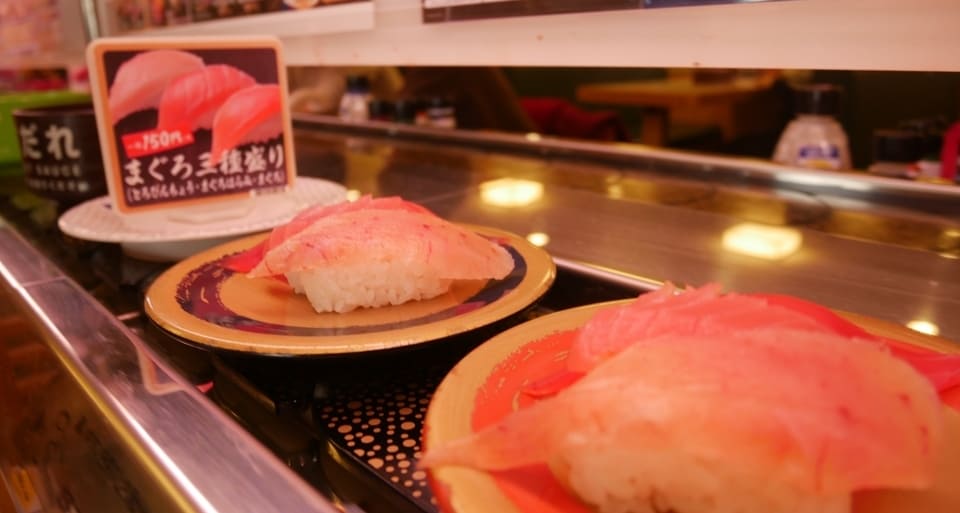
[167,239]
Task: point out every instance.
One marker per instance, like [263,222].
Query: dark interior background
[872,100]
[496,98]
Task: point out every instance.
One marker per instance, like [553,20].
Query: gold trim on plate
[265,301]
[449,417]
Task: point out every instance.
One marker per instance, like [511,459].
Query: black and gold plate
[203,302]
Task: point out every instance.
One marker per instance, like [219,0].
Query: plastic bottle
[441,113]
[896,153]
[353,103]
[814,139]
[930,130]
[407,110]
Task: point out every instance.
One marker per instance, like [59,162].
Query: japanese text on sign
[166,177]
[60,142]
[155,141]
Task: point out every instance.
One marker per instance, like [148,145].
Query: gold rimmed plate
[488,384]
[204,303]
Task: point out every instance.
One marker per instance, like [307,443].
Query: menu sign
[191,121]
[456,10]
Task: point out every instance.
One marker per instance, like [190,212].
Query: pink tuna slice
[141,81]
[250,115]
[943,370]
[245,261]
[702,311]
[824,414]
[706,311]
[450,251]
[191,100]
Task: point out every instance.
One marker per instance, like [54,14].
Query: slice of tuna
[249,115]
[765,420]
[191,101]
[245,262]
[141,81]
[442,249]
[706,311]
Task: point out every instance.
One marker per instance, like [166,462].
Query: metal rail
[646,158]
[109,415]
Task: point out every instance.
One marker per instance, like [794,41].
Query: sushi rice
[344,288]
[372,253]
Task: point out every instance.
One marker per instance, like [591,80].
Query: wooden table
[738,107]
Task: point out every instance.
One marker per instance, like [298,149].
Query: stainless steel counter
[102,411]
[868,246]
[94,421]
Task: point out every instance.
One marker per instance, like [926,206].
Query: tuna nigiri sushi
[764,420]
[245,261]
[705,311]
[371,253]
[190,101]
[251,114]
[141,81]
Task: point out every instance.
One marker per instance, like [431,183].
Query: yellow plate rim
[162,308]
[451,408]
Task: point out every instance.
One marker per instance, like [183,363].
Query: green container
[9,144]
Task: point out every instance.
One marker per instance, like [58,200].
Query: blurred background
[725,111]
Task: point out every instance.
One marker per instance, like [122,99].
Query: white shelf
[800,34]
[908,35]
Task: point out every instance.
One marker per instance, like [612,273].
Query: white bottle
[353,103]
[814,139]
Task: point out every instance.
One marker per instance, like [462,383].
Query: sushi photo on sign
[191,121]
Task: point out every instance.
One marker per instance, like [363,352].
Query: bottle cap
[439,102]
[358,83]
[822,99]
[897,146]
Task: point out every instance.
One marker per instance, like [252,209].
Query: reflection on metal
[152,375]
[533,137]
[699,166]
[762,241]
[538,239]
[818,178]
[625,279]
[615,191]
[680,206]
[924,327]
[948,243]
[511,192]
[91,23]
[133,424]
[353,195]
